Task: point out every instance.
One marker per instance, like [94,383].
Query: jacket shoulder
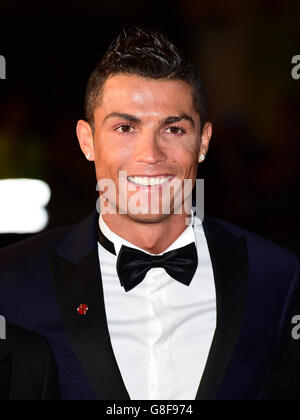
[30,249]
[255,240]
[264,255]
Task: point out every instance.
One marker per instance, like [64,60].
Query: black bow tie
[133,264]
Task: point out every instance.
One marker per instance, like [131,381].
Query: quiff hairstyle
[149,54]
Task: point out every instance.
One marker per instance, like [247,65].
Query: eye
[124,129]
[177,131]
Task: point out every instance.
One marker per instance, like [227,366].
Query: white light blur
[22,205]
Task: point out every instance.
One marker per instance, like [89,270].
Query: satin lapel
[77,279]
[229,258]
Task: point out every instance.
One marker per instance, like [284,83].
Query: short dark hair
[149,54]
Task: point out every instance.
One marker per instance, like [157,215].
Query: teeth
[148,181]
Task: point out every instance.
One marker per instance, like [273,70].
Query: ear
[205,140]
[85,137]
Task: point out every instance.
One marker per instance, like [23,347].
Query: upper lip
[150,176]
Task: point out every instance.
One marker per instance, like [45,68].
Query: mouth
[150,181]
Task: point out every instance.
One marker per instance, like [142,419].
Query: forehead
[140,95]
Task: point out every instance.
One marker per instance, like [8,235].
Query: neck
[153,237]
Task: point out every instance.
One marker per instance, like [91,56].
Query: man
[27,367]
[142,304]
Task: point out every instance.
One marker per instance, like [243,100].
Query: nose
[148,150]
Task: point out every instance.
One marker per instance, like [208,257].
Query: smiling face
[150,129]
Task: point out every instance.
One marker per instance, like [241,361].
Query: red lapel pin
[82,309]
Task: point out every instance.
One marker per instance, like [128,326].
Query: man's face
[150,129]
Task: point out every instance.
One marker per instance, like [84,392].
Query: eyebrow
[172,120]
[127,117]
[165,121]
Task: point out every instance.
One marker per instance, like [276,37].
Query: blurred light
[2,67]
[22,205]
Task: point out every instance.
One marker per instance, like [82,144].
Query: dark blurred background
[244,50]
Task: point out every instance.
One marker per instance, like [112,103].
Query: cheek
[185,157]
[111,156]
[110,144]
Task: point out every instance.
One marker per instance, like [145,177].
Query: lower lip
[149,188]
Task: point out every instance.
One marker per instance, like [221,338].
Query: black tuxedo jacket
[43,280]
[28,370]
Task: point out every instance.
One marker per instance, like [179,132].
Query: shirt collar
[186,237]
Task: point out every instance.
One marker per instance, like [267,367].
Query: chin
[148,218]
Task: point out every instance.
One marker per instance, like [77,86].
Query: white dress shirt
[161,331]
